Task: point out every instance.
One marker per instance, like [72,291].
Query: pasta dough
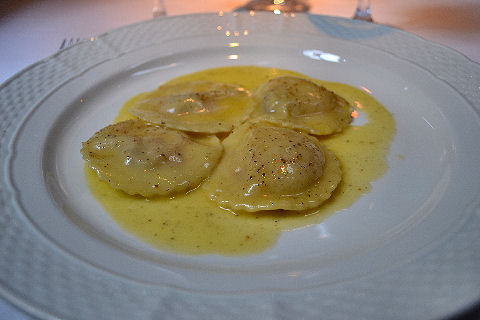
[200,106]
[141,158]
[302,104]
[267,167]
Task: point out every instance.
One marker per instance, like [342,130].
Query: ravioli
[268,167]
[200,106]
[302,104]
[141,158]
[191,223]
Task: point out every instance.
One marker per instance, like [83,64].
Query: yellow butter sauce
[193,224]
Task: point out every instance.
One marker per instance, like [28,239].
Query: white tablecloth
[33,30]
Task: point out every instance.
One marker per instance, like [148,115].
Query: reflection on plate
[409,244]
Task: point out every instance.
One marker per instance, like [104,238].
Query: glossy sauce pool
[193,224]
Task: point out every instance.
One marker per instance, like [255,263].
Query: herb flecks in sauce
[193,224]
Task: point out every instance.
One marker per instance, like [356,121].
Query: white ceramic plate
[408,249]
